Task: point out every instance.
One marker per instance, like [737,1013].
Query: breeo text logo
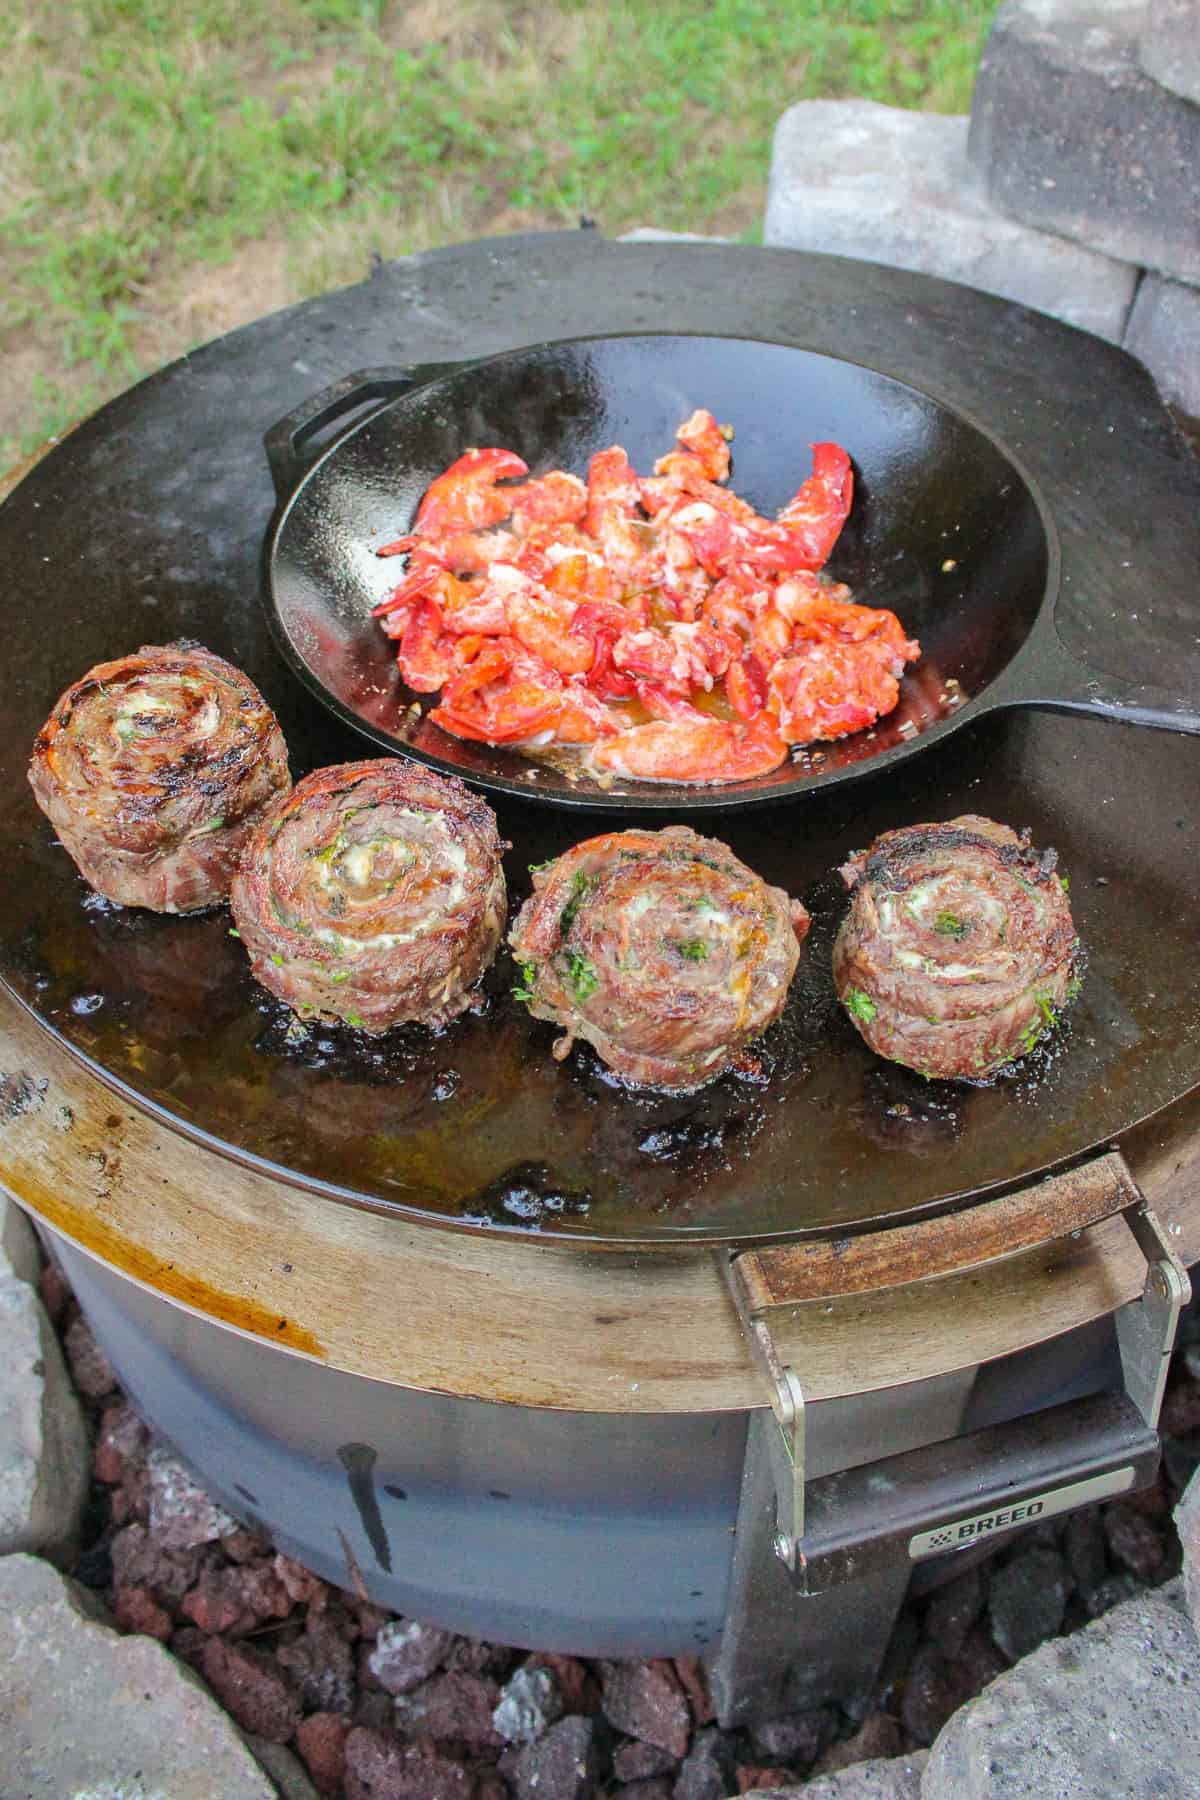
[956,1534]
[998,1521]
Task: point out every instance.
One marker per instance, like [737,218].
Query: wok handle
[289,444]
[1045,674]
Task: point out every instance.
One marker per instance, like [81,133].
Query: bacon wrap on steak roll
[154,770]
[661,949]
[958,952]
[374,894]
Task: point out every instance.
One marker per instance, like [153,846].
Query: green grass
[142,139]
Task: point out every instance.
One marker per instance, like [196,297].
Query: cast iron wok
[947,529]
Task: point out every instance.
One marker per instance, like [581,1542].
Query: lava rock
[751,1779]
[235,1600]
[564,1764]
[122,1443]
[654,1787]
[303,1587]
[1027,1600]
[406,1653]
[136,1609]
[181,1513]
[381,1766]
[979,1662]
[934,1689]
[91,1370]
[1113,1710]
[1133,1541]
[252,1688]
[321,1664]
[798,1738]
[877,1737]
[853,178]
[1087,1547]
[706,1772]
[954,1609]
[579,1689]
[54,1292]
[1070,135]
[88,1712]
[452,1707]
[646,1700]
[1169,49]
[321,1741]
[529,1704]
[693,1679]
[1112,1591]
[1180,1414]
[139,1560]
[635,1761]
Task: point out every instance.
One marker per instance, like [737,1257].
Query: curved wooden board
[529,1323]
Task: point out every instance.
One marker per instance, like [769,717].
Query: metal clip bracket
[1016,1459]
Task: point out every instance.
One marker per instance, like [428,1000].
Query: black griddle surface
[146,524]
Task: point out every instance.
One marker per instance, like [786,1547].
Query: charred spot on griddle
[530,1195]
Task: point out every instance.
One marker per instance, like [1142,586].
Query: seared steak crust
[958,952]
[153,770]
[373,893]
[661,949]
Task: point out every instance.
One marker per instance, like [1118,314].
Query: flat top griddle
[146,525]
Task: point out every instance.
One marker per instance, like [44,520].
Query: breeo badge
[958,1533]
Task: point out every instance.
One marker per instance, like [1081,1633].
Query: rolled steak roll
[958,952]
[659,948]
[373,893]
[154,770]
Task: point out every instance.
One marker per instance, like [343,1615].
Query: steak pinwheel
[154,770]
[958,952]
[373,894]
[659,948]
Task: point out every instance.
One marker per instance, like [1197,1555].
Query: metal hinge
[1049,1463]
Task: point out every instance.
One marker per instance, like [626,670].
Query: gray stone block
[86,1711]
[1068,133]
[1170,46]
[1164,332]
[43,1443]
[851,178]
[884,1778]
[650,234]
[1113,1710]
[1187,1523]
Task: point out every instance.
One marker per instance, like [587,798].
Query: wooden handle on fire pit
[950,1244]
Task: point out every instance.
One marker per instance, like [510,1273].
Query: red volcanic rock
[694,1681]
[91,1370]
[303,1587]
[381,1766]
[121,1445]
[252,1689]
[321,1741]
[750,1779]
[406,1653]
[321,1663]
[1133,1541]
[138,1560]
[646,1700]
[235,1600]
[454,1708]
[136,1609]
[56,1295]
[577,1687]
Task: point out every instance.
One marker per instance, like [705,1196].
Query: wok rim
[661,797]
